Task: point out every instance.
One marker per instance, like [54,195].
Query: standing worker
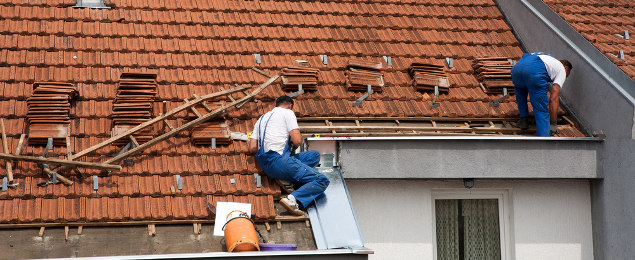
[542,76]
[275,136]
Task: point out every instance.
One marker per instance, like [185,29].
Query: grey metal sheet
[332,217]
[508,138]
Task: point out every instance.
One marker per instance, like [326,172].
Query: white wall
[548,219]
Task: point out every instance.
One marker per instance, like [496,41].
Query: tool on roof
[163,118]
[360,100]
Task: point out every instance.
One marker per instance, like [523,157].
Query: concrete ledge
[468,159]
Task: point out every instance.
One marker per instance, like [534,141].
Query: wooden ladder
[189,105]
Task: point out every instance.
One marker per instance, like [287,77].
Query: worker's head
[285,102]
[567,66]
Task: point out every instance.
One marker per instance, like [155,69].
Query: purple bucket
[278,247]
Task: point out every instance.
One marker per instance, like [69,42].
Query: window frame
[504,214]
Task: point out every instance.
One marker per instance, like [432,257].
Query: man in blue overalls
[274,137]
[541,76]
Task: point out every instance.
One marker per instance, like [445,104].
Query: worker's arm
[554,102]
[296,137]
[253,146]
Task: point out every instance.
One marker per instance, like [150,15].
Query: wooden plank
[68,147]
[168,124]
[267,226]
[363,118]
[152,121]
[262,72]
[53,161]
[195,225]
[193,109]
[5,149]
[278,224]
[134,140]
[18,149]
[66,229]
[80,229]
[204,103]
[190,124]
[140,223]
[59,176]
[41,233]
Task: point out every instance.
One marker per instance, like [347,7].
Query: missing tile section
[97,4]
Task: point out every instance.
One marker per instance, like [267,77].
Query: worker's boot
[523,124]
[292,206]
[553,127]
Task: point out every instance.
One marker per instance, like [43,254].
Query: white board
[224,208]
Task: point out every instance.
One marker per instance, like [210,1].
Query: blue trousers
[530,76]
[297,169]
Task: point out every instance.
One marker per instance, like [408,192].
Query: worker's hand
[253,146]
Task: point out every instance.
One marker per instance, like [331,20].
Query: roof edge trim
[477,138]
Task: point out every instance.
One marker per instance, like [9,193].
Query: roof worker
[541,76]
[275,136]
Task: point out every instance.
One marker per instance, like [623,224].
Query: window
[91,4]
[471,225]
[467,229]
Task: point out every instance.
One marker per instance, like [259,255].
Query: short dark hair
[284,100]
[566,63]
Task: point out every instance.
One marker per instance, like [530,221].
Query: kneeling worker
[274,137]
[537,74]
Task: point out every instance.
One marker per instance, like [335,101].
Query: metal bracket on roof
[388,60]
[496,102]
[49,146]
[258,180]
[434,101]
[6,185]
[213,143]
[95,182]
[232,180]
[257,56]
[621,55]
[625,36]
[179,182]
[450,62]
[128,146]
[324,58]
[512,62]
[360,100]
[299,92]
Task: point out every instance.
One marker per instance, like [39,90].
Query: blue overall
[297,169]
[530,76]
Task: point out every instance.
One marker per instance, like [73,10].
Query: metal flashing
[499,138]
[96,4]
[313,254]
[332,216]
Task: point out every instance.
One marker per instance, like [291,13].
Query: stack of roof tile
[48,112]
[426,76]
[217,129]
[494,73]
[133,103]
[292,76]
[360,74]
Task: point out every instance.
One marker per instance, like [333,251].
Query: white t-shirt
[555,69]
[281,123]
